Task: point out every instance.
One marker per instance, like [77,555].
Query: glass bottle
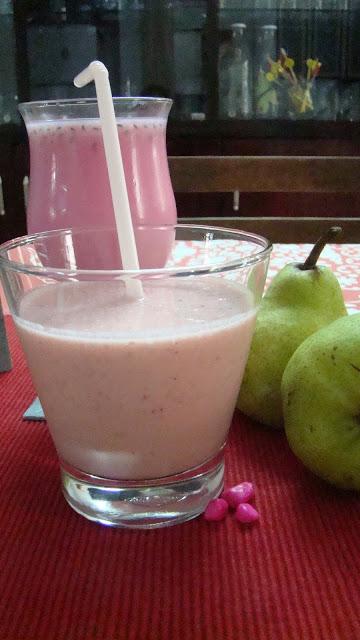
[234,75]
[266,99]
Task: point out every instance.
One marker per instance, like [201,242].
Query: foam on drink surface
[103,310]
[70,127]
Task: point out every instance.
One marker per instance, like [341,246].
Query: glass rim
[86,101]
[264,245]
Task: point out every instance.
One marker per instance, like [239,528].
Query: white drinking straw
[98,73]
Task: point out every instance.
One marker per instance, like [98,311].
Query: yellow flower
[311,63]
[274,68]
[289,63]
[313,68]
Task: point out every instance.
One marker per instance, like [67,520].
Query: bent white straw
[98,73]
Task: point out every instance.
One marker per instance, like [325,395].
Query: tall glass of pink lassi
[138,393]
[69,184]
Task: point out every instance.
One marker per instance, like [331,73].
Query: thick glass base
[143,504]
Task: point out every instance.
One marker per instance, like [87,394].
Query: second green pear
[321,402]
[301,299]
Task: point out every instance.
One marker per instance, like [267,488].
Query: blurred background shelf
[211,57]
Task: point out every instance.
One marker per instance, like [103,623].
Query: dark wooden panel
[265,174]
[309,205]
[284,147]
[287,229]
[295,130]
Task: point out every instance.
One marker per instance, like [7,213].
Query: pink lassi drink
[69,184]
[137,388]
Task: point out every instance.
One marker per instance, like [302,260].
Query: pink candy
[216,510]
[246,513]
[240,493]
[236,497]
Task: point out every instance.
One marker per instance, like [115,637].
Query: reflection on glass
[266,98]
[234,75]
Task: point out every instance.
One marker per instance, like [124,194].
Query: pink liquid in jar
[69,185]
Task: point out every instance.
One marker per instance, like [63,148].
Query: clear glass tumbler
[138,392]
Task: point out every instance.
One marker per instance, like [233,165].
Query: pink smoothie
[137,388]
[69,184]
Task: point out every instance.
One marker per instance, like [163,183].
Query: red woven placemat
[292,576]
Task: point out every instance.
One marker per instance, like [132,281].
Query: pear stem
[328,236]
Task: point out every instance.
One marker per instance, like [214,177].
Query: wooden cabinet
[301,139]
[172,49]
[13,169]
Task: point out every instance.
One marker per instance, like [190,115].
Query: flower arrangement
[281,77]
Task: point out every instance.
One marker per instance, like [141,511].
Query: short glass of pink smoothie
[138,393]
[69,184]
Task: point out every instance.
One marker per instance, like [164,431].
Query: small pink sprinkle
[246,513]
[216,510]
[240,493]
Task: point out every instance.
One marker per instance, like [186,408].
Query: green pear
[301,299]
[321,402]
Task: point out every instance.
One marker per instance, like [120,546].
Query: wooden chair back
[287,174]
